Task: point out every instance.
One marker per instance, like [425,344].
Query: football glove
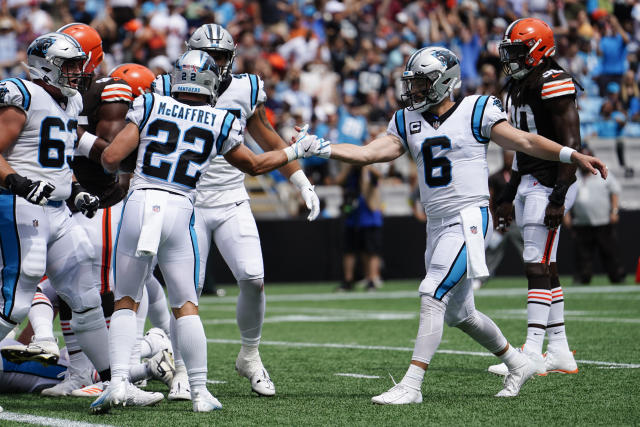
[85,202]
[308,145]
[36,192]
[300,180]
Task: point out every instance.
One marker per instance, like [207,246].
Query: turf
[373,335]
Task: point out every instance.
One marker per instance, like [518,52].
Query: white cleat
[516,378]
[137,397]
[203,401]
[162,367]
[157,340]
[180,389]
[399,394]
[93,390]
[113,395]
[73,380]
[258,376]
[536,359]
[44,351]
[560,361]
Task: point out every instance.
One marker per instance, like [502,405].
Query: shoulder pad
[556,83]
[15,93]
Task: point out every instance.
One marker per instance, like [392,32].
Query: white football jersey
[47,141]
[241,97]
[178,140]
[451,152]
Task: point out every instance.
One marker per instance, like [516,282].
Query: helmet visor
[416,89]
[222,57]
[72,74]
[513,57]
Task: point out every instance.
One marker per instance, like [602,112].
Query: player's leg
[141,317]
[239,244]
[158,313]
[178,254]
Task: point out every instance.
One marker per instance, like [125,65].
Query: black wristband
[558,194]
[17,184]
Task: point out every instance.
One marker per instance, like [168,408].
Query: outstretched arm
[382,149]
[255,164]
[123,144]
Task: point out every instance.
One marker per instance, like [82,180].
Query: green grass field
[328,354]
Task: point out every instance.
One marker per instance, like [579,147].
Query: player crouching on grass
[448,141]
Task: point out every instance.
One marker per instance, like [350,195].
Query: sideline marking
[216,382]
[45,421]
[357,376]
[387,348]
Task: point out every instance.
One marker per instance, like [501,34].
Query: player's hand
[86,203]
[312,201]
[36,192]
[590,163]
[553,215]
[306,145]
[504,212]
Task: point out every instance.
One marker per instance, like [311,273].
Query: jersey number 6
[437,170]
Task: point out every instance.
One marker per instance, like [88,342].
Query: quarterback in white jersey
[176,138]
[39,236]
[222,201]
[448,142]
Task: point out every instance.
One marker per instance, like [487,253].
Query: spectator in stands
[9,55]
[592,221]
[612,49]
[630,96]
[612,123]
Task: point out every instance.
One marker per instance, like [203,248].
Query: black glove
[36,192]
[85,202]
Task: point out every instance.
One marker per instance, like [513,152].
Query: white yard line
[45,421]
[216,382]
[357,376]
[497,292]
[404,349]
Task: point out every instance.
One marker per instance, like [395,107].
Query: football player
[175,138]
[39,122]
[541,99]
[448,141]
[225,214]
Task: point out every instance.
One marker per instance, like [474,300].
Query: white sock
[158,310]
[413,378]
[555,326]
[139,372]
[122,338]
[430,329]
[538,306]
[141,318]
[177,356]
[250,311]
[41,317]
[193,347]
[79,361]
[513,358]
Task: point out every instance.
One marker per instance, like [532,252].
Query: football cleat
[137,397]
[157,340]
[256,373]
[203,401]
[560,361]
[162,367]
[44,351]
[399,394]
[180,389]
[537,360]
[113,395]
[516,378]
[93,390]
[73,379]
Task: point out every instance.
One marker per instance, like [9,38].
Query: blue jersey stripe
[253,79]
[26,96]
[34,368]
[196,251]
[10,244]
[457,270]
[401,126]
[476,118]
[166,84]
[224,133]
[485,220]
[148,106]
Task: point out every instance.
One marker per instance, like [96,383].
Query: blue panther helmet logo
[41,47]
[446,58]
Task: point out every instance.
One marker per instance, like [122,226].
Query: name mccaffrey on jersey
[186,113]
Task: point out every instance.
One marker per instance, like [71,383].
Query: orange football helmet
[137,76]
[90,41]
[526,43]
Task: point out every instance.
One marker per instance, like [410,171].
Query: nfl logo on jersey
[474,229]
[156,208]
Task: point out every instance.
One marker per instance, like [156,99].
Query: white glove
[308,193]
[308,145]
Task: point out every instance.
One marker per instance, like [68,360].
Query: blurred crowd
[335,64]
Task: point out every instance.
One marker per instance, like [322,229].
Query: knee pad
[251,285]
[87,320]
[470,323]
[531,254]
[34,263]
[88,300]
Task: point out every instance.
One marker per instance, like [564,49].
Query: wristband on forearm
[85,143]
[565,154]
[291,153]
[558,194]
[299,179]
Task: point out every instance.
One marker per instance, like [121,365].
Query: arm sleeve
[230,134]
[492,115]
[13,93]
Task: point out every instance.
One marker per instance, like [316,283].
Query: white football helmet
[431,74]
[196,72]
[58,60]
[214,39]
